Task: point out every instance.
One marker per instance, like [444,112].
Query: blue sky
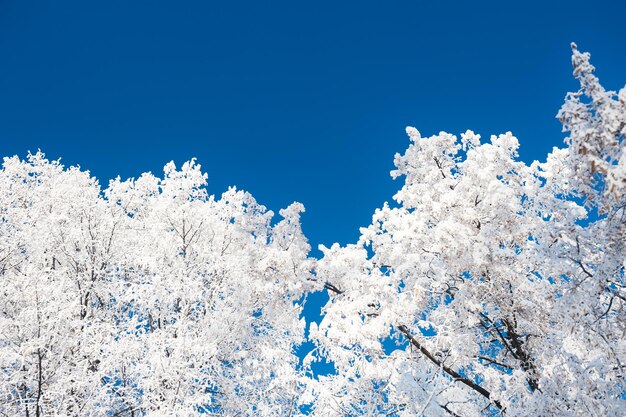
[289,100]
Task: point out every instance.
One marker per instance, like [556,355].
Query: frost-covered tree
[491,287]
[147,298]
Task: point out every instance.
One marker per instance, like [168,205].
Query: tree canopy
[487,287]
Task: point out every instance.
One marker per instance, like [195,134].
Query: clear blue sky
[289,100]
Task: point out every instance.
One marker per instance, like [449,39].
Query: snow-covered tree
[491,287]
[146,298]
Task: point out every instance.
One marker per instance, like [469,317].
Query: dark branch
[454,374]
[503,365]
[452,413]
[332,288]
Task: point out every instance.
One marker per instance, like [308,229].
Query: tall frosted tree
[490,287]
[146,298]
